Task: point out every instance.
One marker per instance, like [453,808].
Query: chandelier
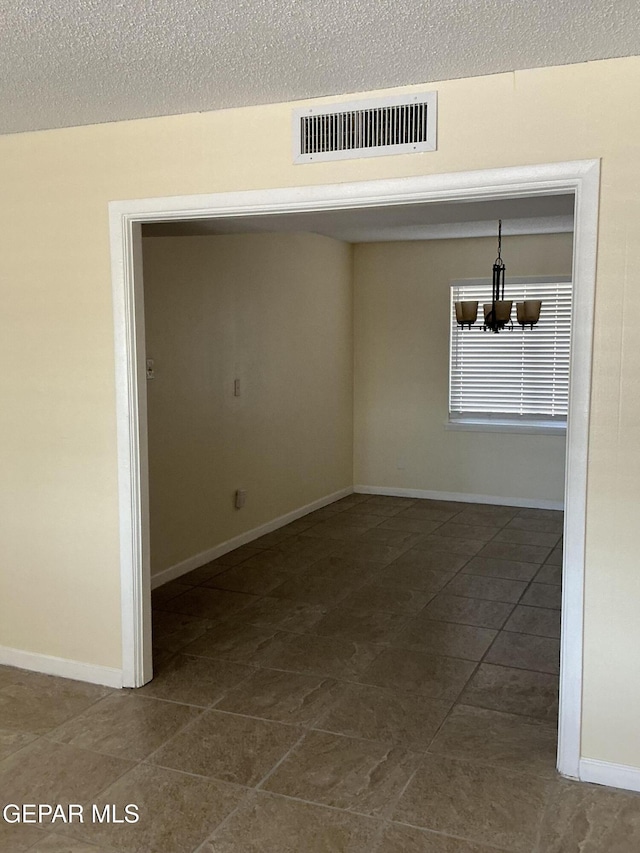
[497,313]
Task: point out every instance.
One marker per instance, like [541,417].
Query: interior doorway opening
[521,184]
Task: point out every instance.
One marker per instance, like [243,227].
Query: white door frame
[581,177]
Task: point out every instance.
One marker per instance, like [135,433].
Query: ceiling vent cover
[402,124]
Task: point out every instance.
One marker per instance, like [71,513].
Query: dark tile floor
[379,676]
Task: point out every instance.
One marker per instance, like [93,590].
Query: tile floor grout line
[350,683]
[95,751]
[36,738]
[60,834]
[248,796]
[310,674]
[512,713]
[478,663]
[441,591]
[487,762]
[172,737]
[510,771]
[374,818]
[495,639]
[247,677]
[521,669]
[387,645]
[210,705]
[101,849]
[148,698]
[464,624]
[457,701]
[462,689]
[537,839]
[255,717]
[438,654]
[113,691]
[502,628]
[499,768]
[530,633]
[289,752]
[192,775]
[307,728]
[409,747]
[403,789]
[478,597]
[97,795]
[438,834]
[144,763]
[378,838]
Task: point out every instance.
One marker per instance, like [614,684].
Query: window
[516,378]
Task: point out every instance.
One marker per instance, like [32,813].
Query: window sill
[494,425]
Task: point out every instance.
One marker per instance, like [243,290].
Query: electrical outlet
[241,498]
[151,373]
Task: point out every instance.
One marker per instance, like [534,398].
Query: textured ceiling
[71,62]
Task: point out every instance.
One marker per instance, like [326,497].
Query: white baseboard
[204,557]
[607,773]
[529,503]
[223,548]
[63,667]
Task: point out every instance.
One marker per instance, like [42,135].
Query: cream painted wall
[275,312]
[60,583]
[402,371]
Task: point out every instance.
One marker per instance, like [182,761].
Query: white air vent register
[403,124]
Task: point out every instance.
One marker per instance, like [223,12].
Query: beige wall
[402,370]
[275,312]
[60,585]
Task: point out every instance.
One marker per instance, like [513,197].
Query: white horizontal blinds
[519,373]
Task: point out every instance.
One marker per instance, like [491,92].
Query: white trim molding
[585,243]
[62,667]
[131,424]
[204,557]
[607,773]
[581,177]
[494,425]
[463,497]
